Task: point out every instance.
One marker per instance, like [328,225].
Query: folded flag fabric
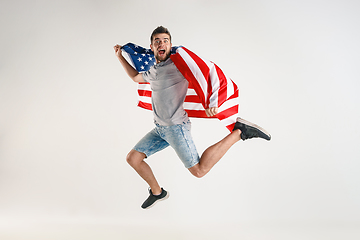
[208,85]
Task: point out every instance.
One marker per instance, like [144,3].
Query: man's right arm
[133,74]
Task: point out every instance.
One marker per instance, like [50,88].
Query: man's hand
[117,49]
[211,111]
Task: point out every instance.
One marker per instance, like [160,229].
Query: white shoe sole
[166,197]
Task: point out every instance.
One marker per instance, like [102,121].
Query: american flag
[208,85]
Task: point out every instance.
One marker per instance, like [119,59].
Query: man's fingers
[117,47]
[214,111]
[210,112]
[207,112]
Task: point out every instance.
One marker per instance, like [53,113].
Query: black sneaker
[250,130]
[152,199]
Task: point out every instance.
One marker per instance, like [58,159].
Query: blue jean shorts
[177,136]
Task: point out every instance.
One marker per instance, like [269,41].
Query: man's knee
[134,157]
[197,171]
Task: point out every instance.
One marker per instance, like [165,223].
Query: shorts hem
[146,155]
[191,165]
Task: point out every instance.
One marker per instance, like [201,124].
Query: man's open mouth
[161,52]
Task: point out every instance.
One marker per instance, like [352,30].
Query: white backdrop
[68,117]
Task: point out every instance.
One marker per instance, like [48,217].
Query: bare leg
[214,153]
[136,160]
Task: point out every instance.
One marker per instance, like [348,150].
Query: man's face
[161,46]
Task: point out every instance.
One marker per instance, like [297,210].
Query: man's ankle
[156,191]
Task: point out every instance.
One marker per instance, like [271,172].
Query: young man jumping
[172,124]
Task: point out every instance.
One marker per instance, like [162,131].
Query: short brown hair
[160,29]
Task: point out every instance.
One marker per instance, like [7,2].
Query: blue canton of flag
[141,58]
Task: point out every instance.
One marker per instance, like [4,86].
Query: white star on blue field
[142,58]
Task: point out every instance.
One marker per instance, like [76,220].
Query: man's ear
[151,47]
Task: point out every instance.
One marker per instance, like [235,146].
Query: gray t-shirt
[169,89]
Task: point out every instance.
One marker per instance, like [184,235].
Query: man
[172,128]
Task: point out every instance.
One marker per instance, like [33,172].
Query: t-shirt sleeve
[146,76]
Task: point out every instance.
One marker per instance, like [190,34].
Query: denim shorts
[177,136]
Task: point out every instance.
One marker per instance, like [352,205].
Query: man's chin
[162,58]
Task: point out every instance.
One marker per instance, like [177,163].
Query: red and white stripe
[208,87]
